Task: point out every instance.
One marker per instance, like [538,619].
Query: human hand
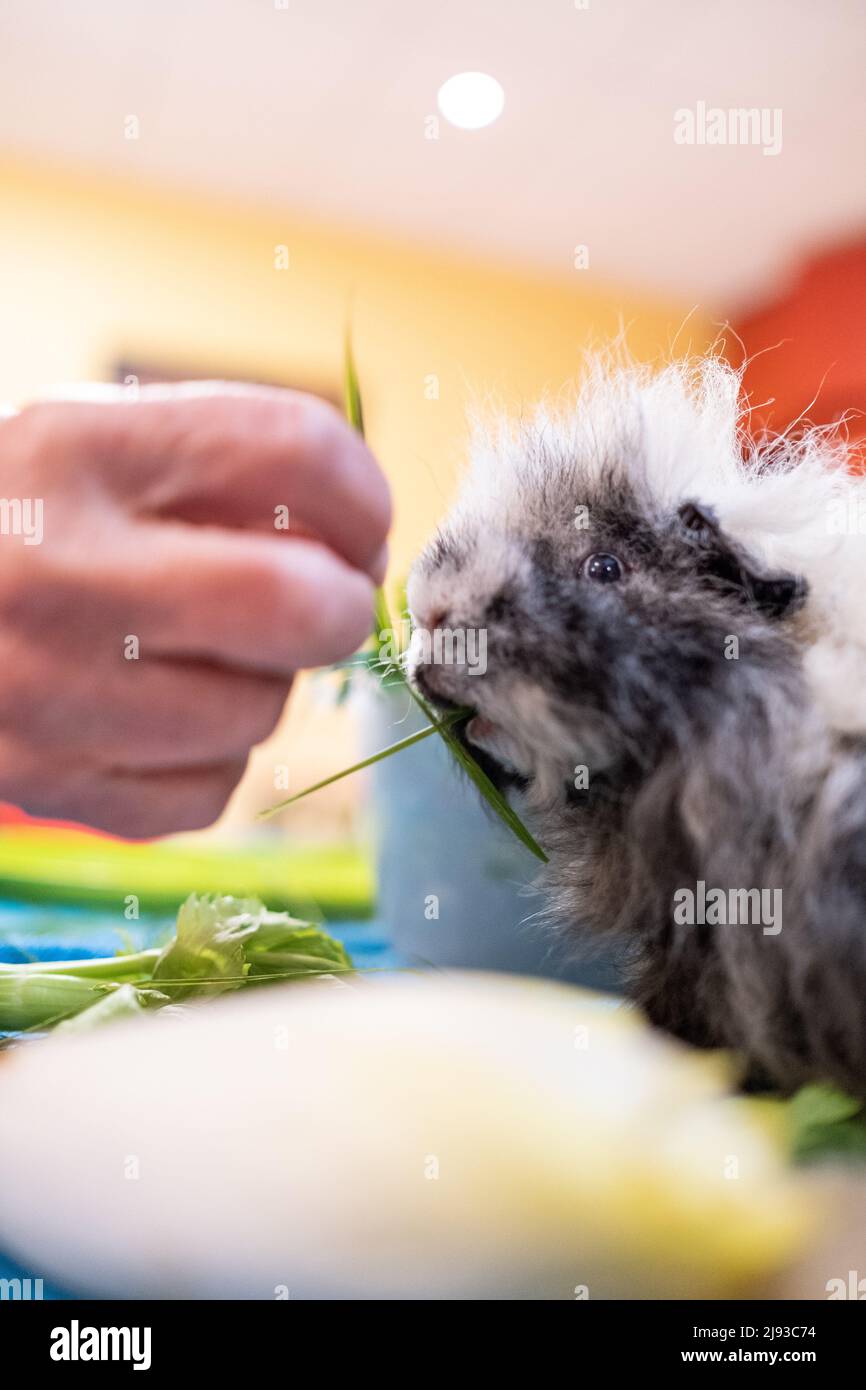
[189,549]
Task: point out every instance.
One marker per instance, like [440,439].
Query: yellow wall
[91,270]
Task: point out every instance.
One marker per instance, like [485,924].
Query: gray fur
[700,767]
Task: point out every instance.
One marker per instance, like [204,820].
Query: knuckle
[279,427]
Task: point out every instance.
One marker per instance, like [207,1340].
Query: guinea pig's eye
[603,568]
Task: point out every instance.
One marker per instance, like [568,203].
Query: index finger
[245,457]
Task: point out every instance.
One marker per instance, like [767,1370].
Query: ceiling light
[471,100]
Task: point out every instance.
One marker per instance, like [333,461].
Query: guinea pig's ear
[776,595]
[699,522]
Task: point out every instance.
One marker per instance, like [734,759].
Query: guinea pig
[673,695]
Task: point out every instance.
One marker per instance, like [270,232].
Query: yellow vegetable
[456,1136]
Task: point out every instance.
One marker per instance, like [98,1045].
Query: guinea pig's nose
[438,618]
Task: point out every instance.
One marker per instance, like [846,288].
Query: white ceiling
[320,107]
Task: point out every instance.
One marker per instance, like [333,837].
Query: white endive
[441,1136]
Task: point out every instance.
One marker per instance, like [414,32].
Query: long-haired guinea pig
[673,693]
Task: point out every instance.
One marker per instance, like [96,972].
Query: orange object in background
[812,346]
[13,815]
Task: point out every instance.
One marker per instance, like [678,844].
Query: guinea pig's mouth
[474,727]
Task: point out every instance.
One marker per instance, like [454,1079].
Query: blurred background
[211,189]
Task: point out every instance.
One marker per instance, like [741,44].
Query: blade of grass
[382,620]
[305,966]
[492,795]
[434,728]
[355,416]
[351,390]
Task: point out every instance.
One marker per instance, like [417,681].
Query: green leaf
[32,1000]
[826,1125]
[845,1141]
[221,943]
[124,1002]
[382,620]
[822,1105]
[281,944]
[209,944]
[225,941]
